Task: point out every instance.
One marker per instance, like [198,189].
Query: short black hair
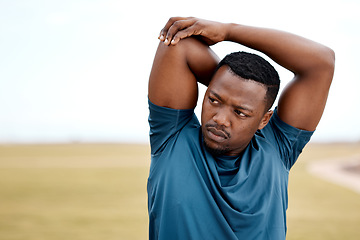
[253,67]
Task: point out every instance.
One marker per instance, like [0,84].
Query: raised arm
[176,70]
[302,102]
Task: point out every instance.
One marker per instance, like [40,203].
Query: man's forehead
[235,85]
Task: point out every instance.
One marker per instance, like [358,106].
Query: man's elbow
[328,59]
[325,65]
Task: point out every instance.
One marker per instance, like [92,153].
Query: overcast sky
[78,70]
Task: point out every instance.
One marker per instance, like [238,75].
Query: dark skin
[234,108]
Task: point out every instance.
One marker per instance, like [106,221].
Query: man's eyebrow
[216,95]
[235,106]
[243,108]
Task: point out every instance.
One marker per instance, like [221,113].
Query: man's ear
[266,118]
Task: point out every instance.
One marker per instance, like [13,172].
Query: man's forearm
[293,52]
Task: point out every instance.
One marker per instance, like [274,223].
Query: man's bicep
[302,102]
[175,72]
[171,83]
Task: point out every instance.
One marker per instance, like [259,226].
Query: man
[227,178]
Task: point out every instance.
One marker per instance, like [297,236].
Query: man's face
[233,110]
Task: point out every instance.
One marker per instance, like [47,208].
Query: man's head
[253,67]
[237,102]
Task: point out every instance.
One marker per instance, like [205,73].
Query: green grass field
[98,191]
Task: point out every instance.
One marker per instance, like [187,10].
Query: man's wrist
[229,31]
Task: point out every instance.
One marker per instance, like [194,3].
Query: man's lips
[216,134]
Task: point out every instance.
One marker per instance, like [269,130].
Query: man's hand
[178,28]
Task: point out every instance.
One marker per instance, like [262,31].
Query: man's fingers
[169,23]
[178,28]
[174,27]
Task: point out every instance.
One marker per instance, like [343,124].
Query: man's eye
[213,100]
[239,113]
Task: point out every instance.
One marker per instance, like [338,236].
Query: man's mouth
[216,134]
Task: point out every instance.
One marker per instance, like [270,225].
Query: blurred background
[77,71]
[74,152]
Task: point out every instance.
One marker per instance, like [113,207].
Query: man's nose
[222,118]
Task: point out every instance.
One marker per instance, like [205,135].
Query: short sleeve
[165,123]
[288,140]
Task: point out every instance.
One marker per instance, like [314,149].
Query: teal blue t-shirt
[193,195]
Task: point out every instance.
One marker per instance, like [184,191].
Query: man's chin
[215,150]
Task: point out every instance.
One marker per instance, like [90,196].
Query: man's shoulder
[285,139]
[167,124]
